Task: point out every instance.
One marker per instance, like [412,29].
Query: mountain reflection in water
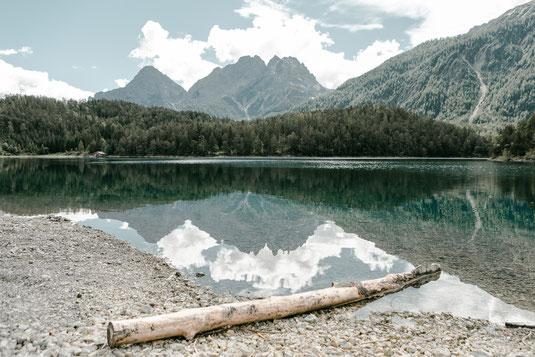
[329,254]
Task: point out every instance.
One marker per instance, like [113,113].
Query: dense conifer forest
[37,125]
[517,142]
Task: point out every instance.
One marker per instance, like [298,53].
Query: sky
[73,48]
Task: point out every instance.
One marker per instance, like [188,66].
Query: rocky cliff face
[485,78]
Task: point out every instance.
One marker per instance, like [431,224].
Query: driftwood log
[189,322]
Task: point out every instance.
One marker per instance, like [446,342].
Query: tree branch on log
[189,322]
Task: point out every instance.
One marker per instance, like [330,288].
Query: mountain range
[246,89]
[485,77]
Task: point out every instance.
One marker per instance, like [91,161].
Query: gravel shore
[61,283]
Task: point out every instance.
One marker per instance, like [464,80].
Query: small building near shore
[100,154]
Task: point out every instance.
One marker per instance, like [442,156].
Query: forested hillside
[485,78]
[35,125]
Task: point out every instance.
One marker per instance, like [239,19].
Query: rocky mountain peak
[244,90]
[273,62]
[152,77]
[150,88]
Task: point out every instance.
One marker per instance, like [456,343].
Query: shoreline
[92,157]
[61,283]
[512,160]
[223,157]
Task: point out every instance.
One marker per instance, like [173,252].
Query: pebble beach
[61,283]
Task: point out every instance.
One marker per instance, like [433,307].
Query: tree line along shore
[37,125]
[40,126]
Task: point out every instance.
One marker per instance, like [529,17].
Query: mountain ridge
[149,87]
[246,89]
[483,78]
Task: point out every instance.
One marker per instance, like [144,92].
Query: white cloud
[17,80]
[276,30]
[121,82]
[24,50]
[8,52]
[353,27]
[179,58]
[75,67]
[375,54]
[440,18]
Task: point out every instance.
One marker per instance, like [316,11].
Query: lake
[259,227]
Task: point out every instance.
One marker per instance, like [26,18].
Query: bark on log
[189,322]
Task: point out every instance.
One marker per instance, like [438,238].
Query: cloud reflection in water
[291,270]
[185,245]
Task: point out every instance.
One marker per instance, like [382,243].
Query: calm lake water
[276,226]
